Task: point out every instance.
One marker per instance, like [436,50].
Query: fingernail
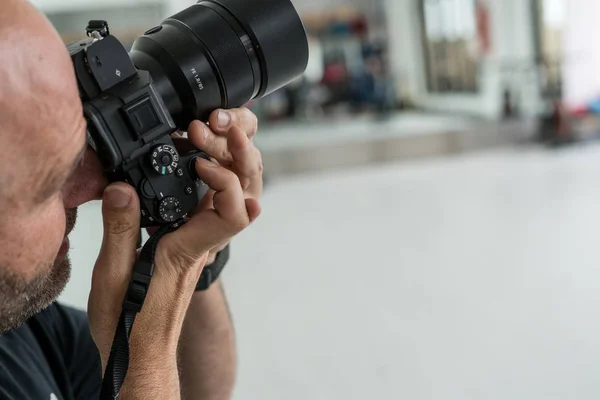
[117,197]
[205,132]
[223,118]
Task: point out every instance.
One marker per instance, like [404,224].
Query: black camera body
[130,129]
[214,54]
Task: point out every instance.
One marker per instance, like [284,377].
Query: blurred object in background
[452,45]
[349,72]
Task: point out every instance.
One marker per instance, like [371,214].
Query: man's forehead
[47,126]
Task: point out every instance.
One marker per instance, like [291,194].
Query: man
[182,342]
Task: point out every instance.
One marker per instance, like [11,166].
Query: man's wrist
[213,291]
[211,272]
[211,258]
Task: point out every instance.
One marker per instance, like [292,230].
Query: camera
[214,54]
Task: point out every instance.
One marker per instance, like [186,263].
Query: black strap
[118,362]
[211,272]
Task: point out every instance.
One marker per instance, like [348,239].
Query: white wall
[512,43]
[582,58]
[62,5]
[514,60]
[174,6]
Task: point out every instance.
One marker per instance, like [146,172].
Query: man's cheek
[51,229]
[36,239]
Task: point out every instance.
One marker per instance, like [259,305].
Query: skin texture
[48,171]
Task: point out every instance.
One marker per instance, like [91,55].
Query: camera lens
[222,54]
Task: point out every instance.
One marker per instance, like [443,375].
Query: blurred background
[432,209]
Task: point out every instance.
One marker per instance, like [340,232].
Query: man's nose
[87,183]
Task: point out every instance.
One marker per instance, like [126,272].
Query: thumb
[110,278]
[121,220]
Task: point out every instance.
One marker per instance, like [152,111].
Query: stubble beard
[21,299]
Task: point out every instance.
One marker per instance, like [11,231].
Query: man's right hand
[179,260]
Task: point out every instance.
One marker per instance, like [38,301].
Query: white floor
[467,278]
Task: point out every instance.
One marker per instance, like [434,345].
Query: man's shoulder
[28,355]
[60,318]
[51,353]
[56,328]
[53,325]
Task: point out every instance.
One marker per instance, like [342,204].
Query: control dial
[164,159]
[170,209]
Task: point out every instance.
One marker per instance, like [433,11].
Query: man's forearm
[152,379]
[207,353]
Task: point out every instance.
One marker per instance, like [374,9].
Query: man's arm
[207,352]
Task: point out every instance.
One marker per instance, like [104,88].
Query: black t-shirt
[50,357]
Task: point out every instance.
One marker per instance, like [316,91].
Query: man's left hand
[227,138]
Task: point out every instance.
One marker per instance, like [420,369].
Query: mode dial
[164,159]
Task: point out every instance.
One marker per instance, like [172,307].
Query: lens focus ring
[226,48]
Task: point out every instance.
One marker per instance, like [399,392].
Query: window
[450,45]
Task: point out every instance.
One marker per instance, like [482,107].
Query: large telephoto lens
[222,54]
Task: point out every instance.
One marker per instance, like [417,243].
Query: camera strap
[118,362]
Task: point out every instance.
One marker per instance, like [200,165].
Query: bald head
[42,132]
[39,101]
